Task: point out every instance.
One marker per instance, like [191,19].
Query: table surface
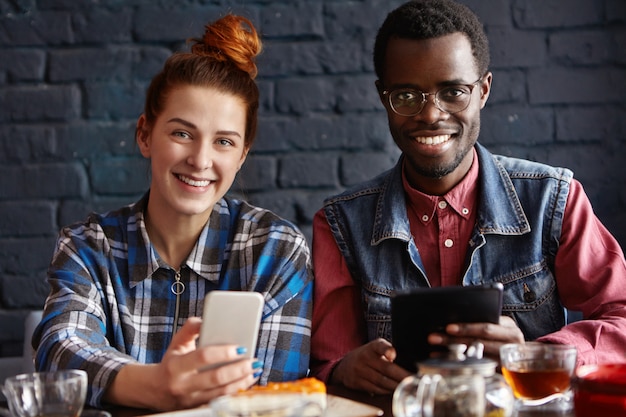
[381,401]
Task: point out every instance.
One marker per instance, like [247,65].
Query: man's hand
[370,368]
[491,335]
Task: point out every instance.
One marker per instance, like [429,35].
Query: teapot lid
[461,360]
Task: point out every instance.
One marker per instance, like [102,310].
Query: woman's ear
[142,136]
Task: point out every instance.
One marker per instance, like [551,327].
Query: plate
[336,407]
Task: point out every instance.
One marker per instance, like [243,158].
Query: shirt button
[425,218]
[465,211]
[442,204]
[448,243]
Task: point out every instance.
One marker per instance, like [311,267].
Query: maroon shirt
[444,223]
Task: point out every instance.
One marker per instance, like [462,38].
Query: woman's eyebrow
[182,121]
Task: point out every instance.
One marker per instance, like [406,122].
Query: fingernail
[257,365]
[241,350]
[453,328]
[257,374]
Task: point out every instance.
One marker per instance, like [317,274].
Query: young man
[451,213]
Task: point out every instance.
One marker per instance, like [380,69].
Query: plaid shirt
[111,303]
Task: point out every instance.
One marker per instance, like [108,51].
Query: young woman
[127,287]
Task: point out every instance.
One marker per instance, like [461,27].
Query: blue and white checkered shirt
[111,303]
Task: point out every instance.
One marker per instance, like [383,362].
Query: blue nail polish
[257,374]
[241,350]
[257,365]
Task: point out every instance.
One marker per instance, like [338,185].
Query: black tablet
[420,312]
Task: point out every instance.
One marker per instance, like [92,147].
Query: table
[384,402]
[381,401]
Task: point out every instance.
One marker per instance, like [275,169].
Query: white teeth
[194,183]
[432,140]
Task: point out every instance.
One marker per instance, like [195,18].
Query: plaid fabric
[111,303]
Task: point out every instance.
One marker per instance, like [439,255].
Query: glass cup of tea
[46,394]
[540,374]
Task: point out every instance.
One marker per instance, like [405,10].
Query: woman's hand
[491,335]
[186,377]
[370,368]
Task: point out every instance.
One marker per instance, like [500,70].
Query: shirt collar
[461,198]
[144,261]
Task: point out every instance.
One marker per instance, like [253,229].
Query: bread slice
[312,389]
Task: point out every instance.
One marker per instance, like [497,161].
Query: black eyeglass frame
[471,86]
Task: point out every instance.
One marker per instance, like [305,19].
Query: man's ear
[142,136]
[485,88]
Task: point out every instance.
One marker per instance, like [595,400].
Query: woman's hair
[224,59]
[426,19]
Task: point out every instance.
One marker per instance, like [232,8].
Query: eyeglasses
[450,99]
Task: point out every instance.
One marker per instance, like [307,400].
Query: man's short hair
[426,19]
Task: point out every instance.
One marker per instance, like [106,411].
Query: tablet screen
[417,313]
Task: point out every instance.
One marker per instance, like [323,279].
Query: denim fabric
[515,239]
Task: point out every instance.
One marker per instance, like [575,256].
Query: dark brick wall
[73,74]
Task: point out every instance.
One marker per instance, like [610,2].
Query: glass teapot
[463,384]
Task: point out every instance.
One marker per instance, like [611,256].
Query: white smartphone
[232,318]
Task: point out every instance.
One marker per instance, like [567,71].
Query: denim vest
[514,241]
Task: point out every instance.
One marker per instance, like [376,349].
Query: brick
[149,60]
[356,168]
[96,139]
[508,86]
[281,202]
[556,13]
[292,19]
[313,58]
[365,131]
[26,291]
[40,103]
[258,173]
[514,48]
[575,86]
[578,158]
[308,171]
[302,96]
[36,28]
[619,47]
[122,176]
[512,124]
[43,181]
[91,64]
[12,325]
[72,211]
[23,64]
[102,26]
[162,24]
[25,256]
[357,19]
[26,143]
[616,10]
[27,218]
[114,101]
[308,203]
[581,47]
[491,13]
[356,93]
[581,124]
[272,134]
